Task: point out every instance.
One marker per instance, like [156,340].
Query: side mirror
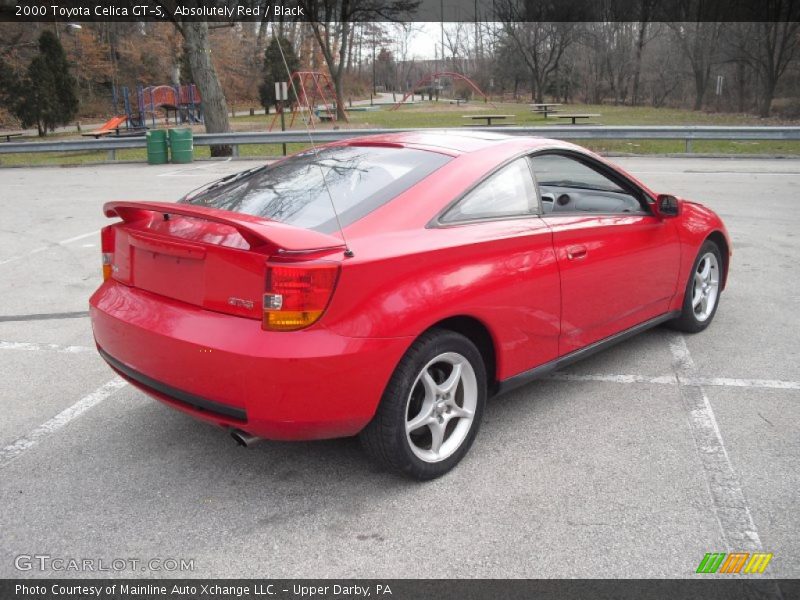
[667,206]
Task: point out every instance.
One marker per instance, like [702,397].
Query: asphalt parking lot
[634,463]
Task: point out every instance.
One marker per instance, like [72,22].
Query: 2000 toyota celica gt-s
[473,263]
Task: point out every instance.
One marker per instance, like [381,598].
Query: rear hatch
[211,258]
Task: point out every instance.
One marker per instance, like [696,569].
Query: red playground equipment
[184,101]
[434,77]
[311,87]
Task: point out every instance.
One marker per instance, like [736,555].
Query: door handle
[576,252]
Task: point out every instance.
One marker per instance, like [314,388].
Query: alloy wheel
[441,407]
[705,289]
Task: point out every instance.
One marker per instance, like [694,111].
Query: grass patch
[23,159]
[444,114]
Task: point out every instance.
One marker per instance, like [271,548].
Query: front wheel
[431,410]
[701,297]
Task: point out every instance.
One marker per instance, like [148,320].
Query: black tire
[385,439]
[688,321]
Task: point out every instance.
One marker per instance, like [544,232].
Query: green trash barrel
[157,147]
[181,145]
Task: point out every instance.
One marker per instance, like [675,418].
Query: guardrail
[567,132]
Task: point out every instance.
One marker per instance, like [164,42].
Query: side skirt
[559,363]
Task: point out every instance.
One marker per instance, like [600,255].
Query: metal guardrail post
[688,142]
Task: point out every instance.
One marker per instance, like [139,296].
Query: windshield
[296,191]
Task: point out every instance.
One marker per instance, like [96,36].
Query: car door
[506,261]
[618,261]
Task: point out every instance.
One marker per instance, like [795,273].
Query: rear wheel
[431,410]
[701,297]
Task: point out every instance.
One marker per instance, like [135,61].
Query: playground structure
[433,79]
[311,87]
[182,101]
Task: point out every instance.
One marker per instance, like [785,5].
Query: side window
[508,192]
[567,185]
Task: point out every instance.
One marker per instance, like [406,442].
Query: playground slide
[110,126]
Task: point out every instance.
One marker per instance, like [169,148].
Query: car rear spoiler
[257,231]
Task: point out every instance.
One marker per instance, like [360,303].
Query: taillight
[297,295]
[107,248]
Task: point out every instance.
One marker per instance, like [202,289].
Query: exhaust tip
[244,439]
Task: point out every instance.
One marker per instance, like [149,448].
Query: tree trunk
[699,89]
[338,78]
[637,69]
[215,109]
[766,101]
[326,44]
[740,72]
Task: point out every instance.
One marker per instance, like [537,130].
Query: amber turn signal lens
[107,248]
[108,261]
[297,295]
[290,320]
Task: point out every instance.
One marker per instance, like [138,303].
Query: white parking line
[730,506]
[78,237]
[672,379]
[32,346]
[776,384]
[612,378]
[63,418]
[26,255]
[43,248]
[188,171]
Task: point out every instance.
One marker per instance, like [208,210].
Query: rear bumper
[226,370]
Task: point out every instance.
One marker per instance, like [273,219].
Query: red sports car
[385,286]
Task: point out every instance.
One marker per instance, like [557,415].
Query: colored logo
[736,562]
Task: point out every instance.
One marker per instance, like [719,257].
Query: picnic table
[9,134]
[575,117]
[545,107]
[489,118]
[458,101]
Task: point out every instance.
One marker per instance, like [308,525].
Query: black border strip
[465,11]
[737,587]
[174,393]
[559,363]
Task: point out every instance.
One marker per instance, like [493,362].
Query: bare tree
[699,42]
[769,46]
[456,39]
[402,34]
[663,68]
[541,46]
[331,22]
[610,58]
[643,26]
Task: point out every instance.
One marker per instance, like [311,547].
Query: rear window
[359,179]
